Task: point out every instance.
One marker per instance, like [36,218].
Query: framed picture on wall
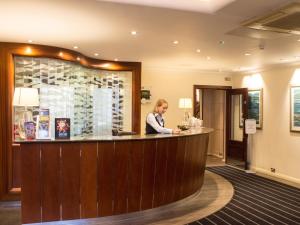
[255,104]
[295,109]
[255,107]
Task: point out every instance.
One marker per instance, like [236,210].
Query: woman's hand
[176,131]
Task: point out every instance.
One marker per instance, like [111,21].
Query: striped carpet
[256,200]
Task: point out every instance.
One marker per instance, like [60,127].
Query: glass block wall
[96,101]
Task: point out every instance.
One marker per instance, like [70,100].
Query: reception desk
[103,176]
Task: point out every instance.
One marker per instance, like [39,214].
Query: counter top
[190,132]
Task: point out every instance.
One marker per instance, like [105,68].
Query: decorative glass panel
[96,101]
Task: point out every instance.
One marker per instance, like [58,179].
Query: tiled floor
[214,161]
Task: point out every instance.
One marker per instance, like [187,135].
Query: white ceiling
[205,6]
[104,27]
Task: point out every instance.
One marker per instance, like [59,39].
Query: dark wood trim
[214,87]
[7,52]
[229,143]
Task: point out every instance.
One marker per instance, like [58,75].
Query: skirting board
[277,177]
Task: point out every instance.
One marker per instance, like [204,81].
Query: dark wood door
[236,138]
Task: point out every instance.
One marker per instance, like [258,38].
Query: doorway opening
[224,109]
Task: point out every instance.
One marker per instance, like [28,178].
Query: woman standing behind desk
[155,123]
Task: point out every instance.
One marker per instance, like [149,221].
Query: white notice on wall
[250,126]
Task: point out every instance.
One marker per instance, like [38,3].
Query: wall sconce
[295,81]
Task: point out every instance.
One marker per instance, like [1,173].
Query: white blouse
[157,125]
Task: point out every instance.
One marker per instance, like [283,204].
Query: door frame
[213,87]
[230,142]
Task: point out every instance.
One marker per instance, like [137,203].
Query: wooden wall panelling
[3,161]
[148,174]
[171,169]
[88,179]
[135,173]
[16,170]
[106,164]
[180,163]
[197,157]
[31,200]
[161,164]
[50,179]
[122,150]
[187,171]
[70,175]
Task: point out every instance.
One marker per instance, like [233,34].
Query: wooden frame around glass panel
[7,52]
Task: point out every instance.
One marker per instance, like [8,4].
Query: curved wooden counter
[102,176]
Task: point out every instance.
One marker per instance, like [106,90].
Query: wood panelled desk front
[102,176]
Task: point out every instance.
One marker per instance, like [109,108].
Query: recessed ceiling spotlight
[297,57]
[96,54]
[208,58]
[106,65]
[284,60]
[28,50]
[116,59]
[61,54]
[247,54]
[75,47]
[198,50]
[78,58]
[133,33]
[299,40]
[30,41]
[175,42]
[221,42]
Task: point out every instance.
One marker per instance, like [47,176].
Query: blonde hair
[159,103]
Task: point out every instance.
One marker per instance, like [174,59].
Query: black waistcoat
[150,129]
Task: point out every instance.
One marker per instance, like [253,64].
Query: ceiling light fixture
[198,50]
[116,59]
[221,42]
[30,41]
[133,33]
[78,58]
[284,60]
[96,54]
[61,54]
[28,50]
[208,58]
[75,47]
[175,42]
[247,54]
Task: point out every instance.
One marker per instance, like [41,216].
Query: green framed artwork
[255,104]
[255,107]
[295,109]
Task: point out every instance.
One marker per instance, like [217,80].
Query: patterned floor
[256,200]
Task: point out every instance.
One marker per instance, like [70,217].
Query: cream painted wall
[172,84]
[275,146]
